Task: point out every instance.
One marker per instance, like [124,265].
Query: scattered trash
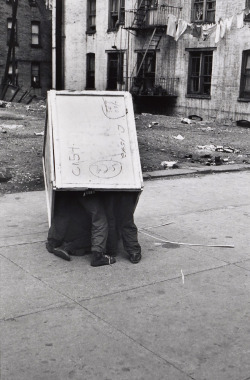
[11,126]
[2,104]
[188,156]
[207,147]
[169,164]
[208,129]
[218,148]
[146,114]
[153,123]
[185,120]
[195,117]
[39,133]
[179,137]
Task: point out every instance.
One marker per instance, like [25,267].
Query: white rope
[189,244]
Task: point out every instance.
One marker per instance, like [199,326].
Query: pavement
[182,313]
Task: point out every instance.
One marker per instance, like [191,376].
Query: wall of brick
[24,52]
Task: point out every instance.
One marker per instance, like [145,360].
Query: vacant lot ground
[163,140]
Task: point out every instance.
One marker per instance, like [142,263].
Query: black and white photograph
[125,189]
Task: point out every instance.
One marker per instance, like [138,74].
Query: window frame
[35,84]
[36,23]
[90,73]
[91,13]
[245,74]
[247,17]
[204,17]
[9,20]
[203,53]
[117,15]
[120,69]
[10,71]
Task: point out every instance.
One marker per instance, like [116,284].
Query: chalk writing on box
[74,159]
[112,109]
[106,169]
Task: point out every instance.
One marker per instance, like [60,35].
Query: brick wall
[24,52]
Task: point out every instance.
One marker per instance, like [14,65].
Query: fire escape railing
[137,18]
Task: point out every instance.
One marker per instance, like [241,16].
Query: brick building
[185,56]
[25,48]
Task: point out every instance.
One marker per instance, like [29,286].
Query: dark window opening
[91,16]
[116,13]
[115,70]
[247,16]
[12,77]
[200,73]
[90,72]
[9,27]
[203,11]
[35,74]
[145,79]
[245,75]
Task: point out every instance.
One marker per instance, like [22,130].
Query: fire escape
[149,21]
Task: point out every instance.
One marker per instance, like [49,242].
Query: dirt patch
[161,139]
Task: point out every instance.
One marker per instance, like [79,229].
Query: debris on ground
[179,137]
[39,133]
[21,148]
[185,120]
[169,164]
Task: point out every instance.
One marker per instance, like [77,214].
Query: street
[182,313]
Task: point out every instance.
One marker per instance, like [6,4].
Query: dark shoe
[99,259]
[62,253]
[135,258]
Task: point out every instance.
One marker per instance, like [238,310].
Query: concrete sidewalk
[182,313]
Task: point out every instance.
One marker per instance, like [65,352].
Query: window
[90,72]
[12,78]
[35,33]
[247,16]
[116,13]
[115,70]
[9,27]
[35,74]
[200,73]
[245,76]
[203,11]
[91,16]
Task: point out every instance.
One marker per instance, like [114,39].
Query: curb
[171,173]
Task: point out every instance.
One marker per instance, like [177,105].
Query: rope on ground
[189,244]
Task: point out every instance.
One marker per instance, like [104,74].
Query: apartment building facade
[186,56]
[25,48]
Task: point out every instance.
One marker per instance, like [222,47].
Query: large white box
[90,142]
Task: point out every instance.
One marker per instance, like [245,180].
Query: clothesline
[177,27]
